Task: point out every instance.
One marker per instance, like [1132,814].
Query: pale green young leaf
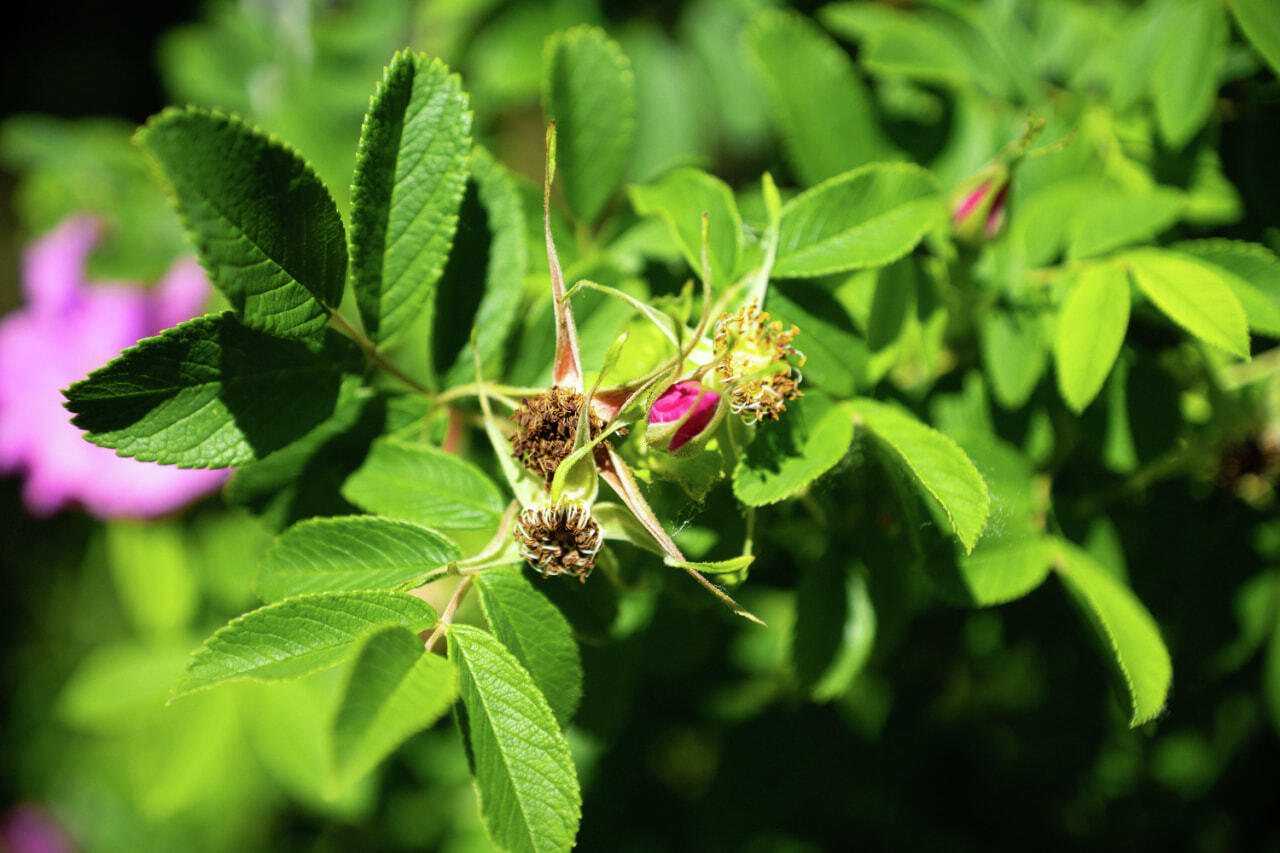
[935,464]
[806,441]
[264,226]
[396,689]
[411,167]
[1015,351]
[1125,628]
[820,106]
[350,553]
[210,393]
[1091,329]
[422,484]
[1005,569]
[1260,24]
[298,636]
[1193,295]
[1184,78]
[589,91]
[1252,271]
[533,630]
[154,580]
[528,788]
[680,198]
[835,628]
[864,218]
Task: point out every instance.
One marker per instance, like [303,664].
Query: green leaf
[911,44]
[303,478]
[835,356]
[822,109]
[355,552]
[680,198]
[1251,271]
[298,636]
[1091,329]
[396,688]
[1184,78]
[835,628]
[937,466]
[528,787]
[589,91]
[1258,21]
[210,393]
[1125,628]
[411,167]
[1014,353]
[263,224]
[864,218]
[153,578]
[1193,296]
[1112,219]
[421,484]
[490,248]
[1005,569]
[533,630]
[810,437]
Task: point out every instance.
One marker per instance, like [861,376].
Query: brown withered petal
[559,539]
[545,428]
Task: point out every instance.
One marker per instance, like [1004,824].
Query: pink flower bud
[683,412]
[978,213]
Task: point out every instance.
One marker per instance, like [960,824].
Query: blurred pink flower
[67,329]
[28,828]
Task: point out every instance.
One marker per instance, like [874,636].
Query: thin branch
[446,618]
[371,352]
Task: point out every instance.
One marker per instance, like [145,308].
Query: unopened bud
[686,412]
[978,212]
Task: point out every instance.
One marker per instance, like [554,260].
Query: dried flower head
[751,359]
[559,539]
[545,428]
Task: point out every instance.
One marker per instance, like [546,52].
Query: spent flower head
[751,354]
[559,538]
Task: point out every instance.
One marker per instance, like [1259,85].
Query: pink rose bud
[685,411]
[978,213]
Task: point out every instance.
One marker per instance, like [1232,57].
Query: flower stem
[371,352]
[446,618]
